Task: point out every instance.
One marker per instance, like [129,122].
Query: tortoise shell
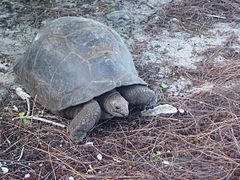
[74,59]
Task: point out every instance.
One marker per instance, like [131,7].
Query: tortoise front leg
[84,118]
[139,95]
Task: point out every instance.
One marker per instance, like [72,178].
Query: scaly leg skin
[85,117]
[139,95]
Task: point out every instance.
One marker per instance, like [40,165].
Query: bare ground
[193,46]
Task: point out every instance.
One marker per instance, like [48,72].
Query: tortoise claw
[78,136]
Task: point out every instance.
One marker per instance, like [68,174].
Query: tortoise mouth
[121,114]
[125,114]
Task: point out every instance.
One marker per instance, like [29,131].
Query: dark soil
[202,143]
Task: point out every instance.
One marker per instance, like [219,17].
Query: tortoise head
[116,105]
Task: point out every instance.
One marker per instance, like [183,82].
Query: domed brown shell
[74,59]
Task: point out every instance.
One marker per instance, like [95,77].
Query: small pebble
[27,175]
[15,108]
[4,170]
[99,157]
[116,160]
[165,109]
[71,178]
[166,162]
[89,143]
[181,111]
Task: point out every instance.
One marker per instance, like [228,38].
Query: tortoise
[82,69]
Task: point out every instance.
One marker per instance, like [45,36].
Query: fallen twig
[21,154]
[42,120]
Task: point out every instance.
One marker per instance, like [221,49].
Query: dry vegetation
[195,16]
[203,143]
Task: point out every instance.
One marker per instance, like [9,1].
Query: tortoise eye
[117,107]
